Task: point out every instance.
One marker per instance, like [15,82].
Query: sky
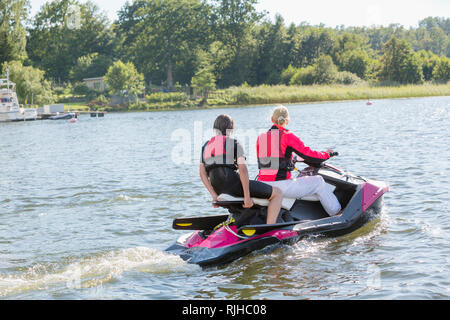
[330,12]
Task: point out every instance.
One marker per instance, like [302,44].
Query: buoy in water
[368,103]
[73,120]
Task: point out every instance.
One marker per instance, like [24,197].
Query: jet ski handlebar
[333,154]
[295,160]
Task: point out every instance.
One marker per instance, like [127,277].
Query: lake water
[86,208]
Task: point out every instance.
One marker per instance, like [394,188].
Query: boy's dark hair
[223,123]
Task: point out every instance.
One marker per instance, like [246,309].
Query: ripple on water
[94,270]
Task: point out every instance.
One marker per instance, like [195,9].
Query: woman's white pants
[307,186]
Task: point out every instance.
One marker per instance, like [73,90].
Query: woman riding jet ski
[223,238]
[275,149]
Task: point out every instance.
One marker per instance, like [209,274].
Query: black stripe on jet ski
[199,223]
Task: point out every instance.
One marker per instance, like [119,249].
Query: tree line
[210,43]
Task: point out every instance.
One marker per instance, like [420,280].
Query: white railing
[7,83]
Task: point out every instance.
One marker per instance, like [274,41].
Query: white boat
[9,104]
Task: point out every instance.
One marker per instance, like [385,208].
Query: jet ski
[220,239]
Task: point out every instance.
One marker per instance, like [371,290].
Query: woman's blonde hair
[280,115]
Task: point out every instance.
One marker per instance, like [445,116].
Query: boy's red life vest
[274,150]
[221,151]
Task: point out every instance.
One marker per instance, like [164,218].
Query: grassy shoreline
[245,96]
[296,94]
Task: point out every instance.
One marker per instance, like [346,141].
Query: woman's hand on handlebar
[332,153]
[297,159]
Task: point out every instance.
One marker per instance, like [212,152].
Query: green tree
[124,80]
[433,35]
[287,74]
[441,71]
[220,54]
[350,41]
[90,66]
[399,63]
[234,21]
[273,56]
[234,18]
[12,32]
[30,83]
[204,79]
[159,36]
[303,76]
[441,22]
[324,71]
[345,77]
[357,62]
[379,35]
[428,60]
[315,42]
[64,30]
